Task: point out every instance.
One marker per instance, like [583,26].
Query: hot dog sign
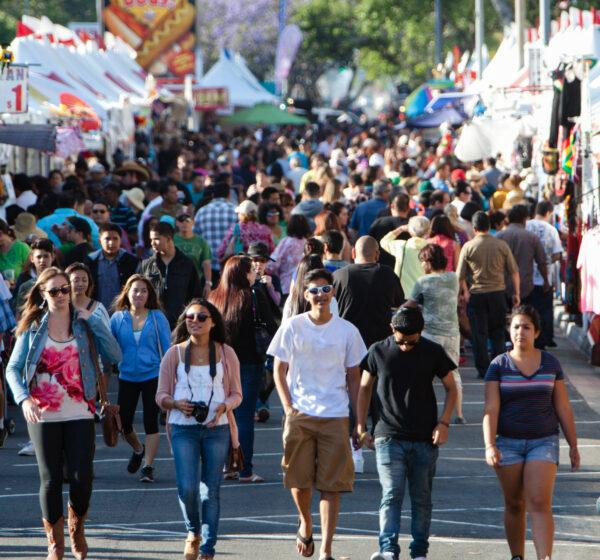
[161,31]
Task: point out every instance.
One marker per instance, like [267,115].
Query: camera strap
[212,366]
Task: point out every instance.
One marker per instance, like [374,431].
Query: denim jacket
[28,349]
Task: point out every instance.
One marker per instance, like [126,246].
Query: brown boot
[56,539]
[192,546]
[79,546]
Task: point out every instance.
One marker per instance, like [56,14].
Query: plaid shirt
[7,319]
[212,222]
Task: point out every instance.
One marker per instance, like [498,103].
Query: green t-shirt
[196,248]
[15,258]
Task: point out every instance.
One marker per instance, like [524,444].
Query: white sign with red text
[13,90]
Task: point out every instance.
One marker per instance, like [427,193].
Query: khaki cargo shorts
[316,452]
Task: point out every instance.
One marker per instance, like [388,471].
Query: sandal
[231,476]
[308,542]
[252,479]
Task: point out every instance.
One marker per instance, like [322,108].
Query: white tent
[231,72]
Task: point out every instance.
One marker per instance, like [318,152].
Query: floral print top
[57,387]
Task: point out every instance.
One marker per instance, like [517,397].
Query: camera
[200,411]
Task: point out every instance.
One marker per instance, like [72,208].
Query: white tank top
[201,384]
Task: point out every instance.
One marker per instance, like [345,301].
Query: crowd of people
[345,268]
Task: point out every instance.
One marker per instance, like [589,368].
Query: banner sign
[210,99]
[162,32]
[13,90]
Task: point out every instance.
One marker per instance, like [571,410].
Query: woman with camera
[143,333]
[250,326]
[199,386]
[53,376]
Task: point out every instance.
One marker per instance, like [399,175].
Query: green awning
[266,114]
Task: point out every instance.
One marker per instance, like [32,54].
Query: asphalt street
[130,520]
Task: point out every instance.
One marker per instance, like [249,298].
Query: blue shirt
[141,361]
[365,214]
[59,217]
[526,406]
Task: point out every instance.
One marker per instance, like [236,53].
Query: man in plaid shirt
[213,220]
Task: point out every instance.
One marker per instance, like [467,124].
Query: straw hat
[25,226]
[131,165]
[136,197]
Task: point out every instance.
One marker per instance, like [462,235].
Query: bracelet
[490,446]
[444,423]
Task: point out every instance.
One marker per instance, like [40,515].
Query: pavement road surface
[130,520]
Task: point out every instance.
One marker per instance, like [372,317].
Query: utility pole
[479,36]
[545,21]
[520,26]
[438,32]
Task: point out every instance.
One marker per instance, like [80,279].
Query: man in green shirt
[13,254]
[194,247]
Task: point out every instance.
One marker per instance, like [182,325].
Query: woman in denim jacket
[52,375]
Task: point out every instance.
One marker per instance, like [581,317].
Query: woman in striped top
[525,401]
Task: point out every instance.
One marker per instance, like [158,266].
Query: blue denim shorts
[516,451]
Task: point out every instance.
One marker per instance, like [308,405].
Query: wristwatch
[444,423]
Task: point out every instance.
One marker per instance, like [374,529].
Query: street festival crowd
[346,268]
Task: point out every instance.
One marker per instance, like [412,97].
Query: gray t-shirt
[438,294]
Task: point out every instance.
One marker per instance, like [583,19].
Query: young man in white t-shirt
[317,357]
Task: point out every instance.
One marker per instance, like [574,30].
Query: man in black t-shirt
[402,367]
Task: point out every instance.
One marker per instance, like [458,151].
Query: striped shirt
[526,406]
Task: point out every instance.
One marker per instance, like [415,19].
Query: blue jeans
[397,462]
[252,377]
[192,445]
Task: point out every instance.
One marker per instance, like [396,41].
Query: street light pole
[520,25]
[479,37]
[545,21]
[438,32]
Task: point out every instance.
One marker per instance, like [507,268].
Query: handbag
[235,462]
[110,418]
[261,334]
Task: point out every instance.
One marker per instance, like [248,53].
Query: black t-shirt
[404,387]
[366,294]
[381,227]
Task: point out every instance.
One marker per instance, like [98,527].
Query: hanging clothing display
[588,264]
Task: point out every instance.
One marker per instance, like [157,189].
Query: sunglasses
[409,343]
[200,317]
[273,213]
[64,290]
[320,290]
[99,211]
[183,218]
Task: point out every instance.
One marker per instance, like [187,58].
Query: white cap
[247,207]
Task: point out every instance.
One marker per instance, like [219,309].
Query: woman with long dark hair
[247,318]
[328,220]
[198,387]
[442,234]
[143,333]
[82,286]
[53,376]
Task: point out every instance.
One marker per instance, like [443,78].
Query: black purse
[261,333]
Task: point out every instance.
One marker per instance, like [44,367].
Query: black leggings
[129,394]
[74,440]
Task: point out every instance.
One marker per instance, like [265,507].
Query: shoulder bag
[261,334]
[109,413]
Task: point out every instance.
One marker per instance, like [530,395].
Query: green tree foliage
[59,11]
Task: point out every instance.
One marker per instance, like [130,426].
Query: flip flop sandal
[308,543]
[251,479]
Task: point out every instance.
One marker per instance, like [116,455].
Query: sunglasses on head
[320,290]
[64,290]
[200,317]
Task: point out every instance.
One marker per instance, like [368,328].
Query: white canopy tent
[232,73]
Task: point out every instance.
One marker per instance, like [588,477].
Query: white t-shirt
[318,356]
[550,239]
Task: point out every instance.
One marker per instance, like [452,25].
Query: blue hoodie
[141,362]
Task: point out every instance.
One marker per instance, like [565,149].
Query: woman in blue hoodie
[143,333]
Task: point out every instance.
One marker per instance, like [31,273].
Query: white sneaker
[359,465]
[27,450]
[384,556]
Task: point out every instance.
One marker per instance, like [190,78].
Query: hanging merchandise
[568,153]
[588,264]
